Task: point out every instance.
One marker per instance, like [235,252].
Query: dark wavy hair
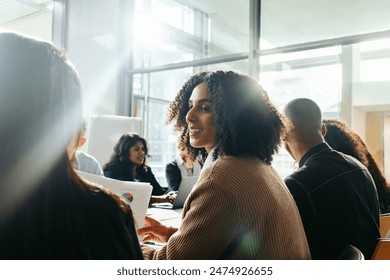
[246,121]
[344,140]
[122,147]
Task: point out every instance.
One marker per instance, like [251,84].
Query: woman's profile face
[200,120]
[137,153]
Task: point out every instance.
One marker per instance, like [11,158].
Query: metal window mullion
[254,37]
[192,63]
[349,40]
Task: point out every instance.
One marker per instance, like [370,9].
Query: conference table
[169,217]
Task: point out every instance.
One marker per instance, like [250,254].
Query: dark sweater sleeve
[173,176]
[112,172]
[148,176]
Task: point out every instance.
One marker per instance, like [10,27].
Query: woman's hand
[169,197]
[155,231]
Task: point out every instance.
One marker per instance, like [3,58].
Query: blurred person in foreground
[46,211]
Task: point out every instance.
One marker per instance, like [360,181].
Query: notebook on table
[186,185]
[136,193]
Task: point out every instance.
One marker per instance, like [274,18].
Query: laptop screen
[186,185]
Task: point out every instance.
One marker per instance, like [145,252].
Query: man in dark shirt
[334,192]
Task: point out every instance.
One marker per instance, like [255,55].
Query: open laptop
[137,194]
[186,185]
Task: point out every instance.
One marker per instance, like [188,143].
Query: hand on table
[155,231]
[169,197]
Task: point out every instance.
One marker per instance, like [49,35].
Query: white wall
[372,96]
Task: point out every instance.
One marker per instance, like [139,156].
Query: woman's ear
[82,141]
[323,130]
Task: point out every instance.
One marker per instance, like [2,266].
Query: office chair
[105,131]
[384,223]
[382,250]
[351,253]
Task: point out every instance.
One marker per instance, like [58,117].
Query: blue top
[87,163]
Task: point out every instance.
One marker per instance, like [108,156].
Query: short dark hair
[304,115]
[246,120]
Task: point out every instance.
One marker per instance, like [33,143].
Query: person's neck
[301,148]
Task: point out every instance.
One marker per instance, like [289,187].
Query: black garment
[338,203]
[70,222]
[122,172]
[173,175]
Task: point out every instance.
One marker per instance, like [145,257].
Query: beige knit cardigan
[239,209]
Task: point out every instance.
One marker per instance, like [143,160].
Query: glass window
[32,17]
[167,31]
[375,60]
[165,85]
[304,74]
[286,22]
[375,70]
[240,66]
[161,140]
[312,74]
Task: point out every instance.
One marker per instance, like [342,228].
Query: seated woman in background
[128,163]
[46,211]
[181,167]
[344,140]
[239,208]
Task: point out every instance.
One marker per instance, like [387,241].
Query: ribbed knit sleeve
[239,209]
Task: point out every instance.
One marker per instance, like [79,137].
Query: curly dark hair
[344,140]
[246,121]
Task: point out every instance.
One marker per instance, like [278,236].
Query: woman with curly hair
[344,140]
[240,207]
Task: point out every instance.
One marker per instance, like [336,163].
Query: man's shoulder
[171,164]
[88,163]
[325,168]
[83,155]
